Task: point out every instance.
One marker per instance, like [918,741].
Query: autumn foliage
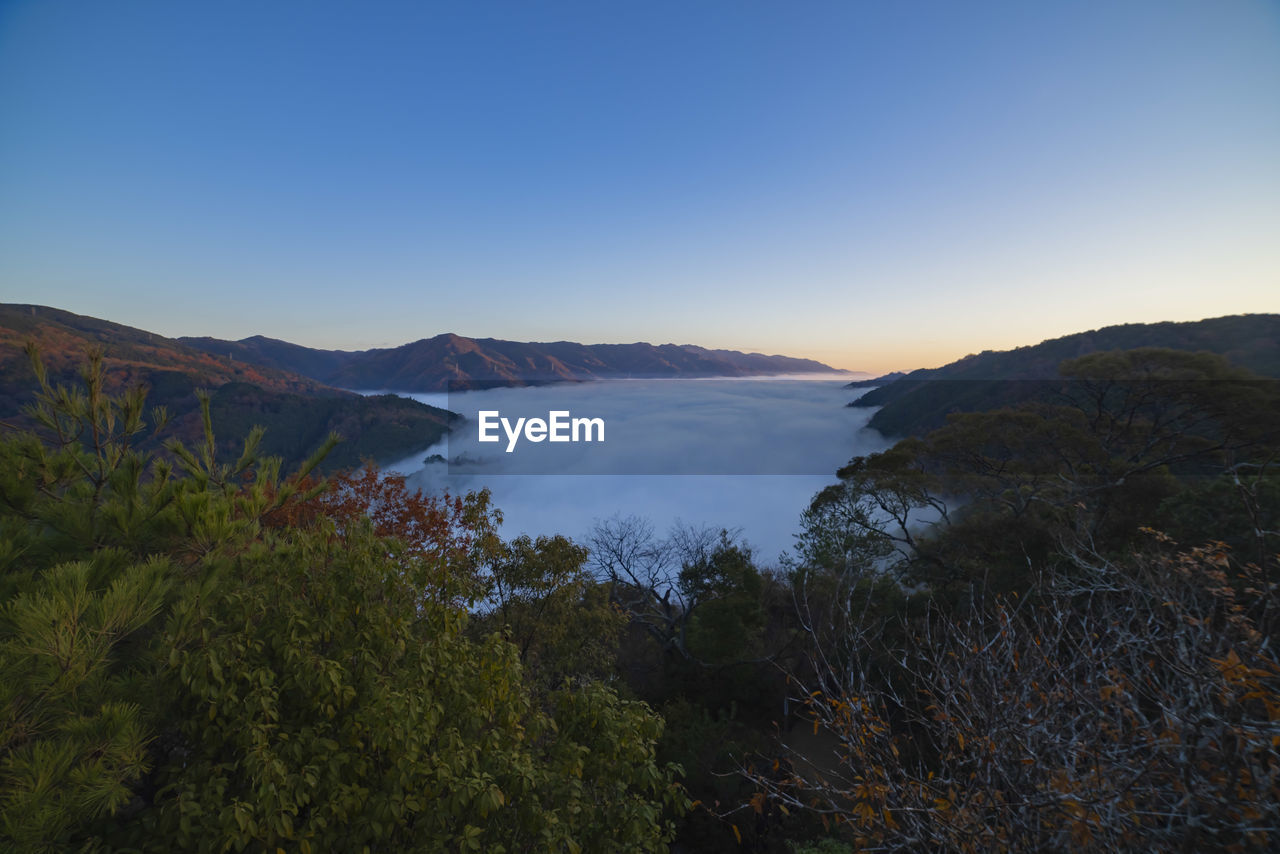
[454,533]
[1127,705]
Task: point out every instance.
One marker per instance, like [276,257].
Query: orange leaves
[430,525]
[439,532]
[865,813]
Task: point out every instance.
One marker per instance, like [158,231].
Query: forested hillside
[297,412]
[920,401]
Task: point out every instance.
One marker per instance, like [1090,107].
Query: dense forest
[1048,625]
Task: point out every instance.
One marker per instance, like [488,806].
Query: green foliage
[99,539]
[612,786]
[556,614]
[174,674]
[323,705]
[72,736]
[78,598]
[728,588]
[993,493]
[823,846]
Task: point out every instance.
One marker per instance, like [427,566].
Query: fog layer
[734,453]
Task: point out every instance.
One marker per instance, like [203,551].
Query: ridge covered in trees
[297,412]
[917,402]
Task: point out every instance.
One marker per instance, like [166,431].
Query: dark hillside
[297,411]
[920,401]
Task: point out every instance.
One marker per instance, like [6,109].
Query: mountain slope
[297,411]
[273,353]
[436,364]
[920,401]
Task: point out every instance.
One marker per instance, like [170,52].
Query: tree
[991,493]
[99,541]
[1124,706]
[309,683]
[321,704]
[677,589]
[999,659]
[706,629]
[456,534]
[559,617]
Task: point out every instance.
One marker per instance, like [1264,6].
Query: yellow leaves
[736,834]
[1073,807]
[757,803]
[1159,536]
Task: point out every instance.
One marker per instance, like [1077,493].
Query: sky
[878,185]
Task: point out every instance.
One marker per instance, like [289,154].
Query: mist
[744,454]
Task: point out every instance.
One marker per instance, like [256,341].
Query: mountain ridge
[297,412]
[920,401]
[454,361]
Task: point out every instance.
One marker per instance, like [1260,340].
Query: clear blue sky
[875,184]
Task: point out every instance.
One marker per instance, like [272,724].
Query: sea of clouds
[744,454]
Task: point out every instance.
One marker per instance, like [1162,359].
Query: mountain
[297,411]
[270,353]
[884,379]
[452,361]
[920,401]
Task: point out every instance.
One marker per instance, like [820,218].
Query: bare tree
[663,583]
[1130,706]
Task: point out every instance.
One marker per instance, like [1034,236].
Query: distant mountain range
[921,400]
[454,362]
[297,392]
